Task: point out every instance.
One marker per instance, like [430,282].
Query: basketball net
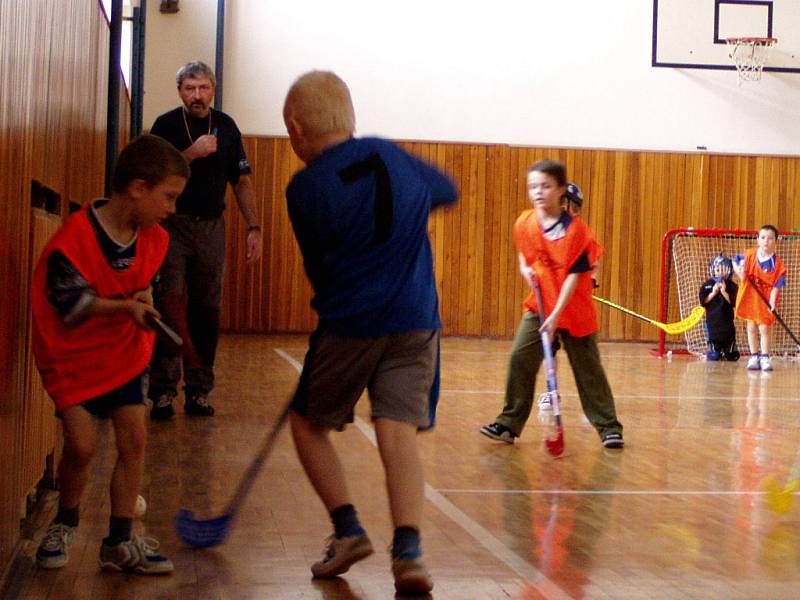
[749,55]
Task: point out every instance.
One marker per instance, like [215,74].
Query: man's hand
[203,146]
[253,246]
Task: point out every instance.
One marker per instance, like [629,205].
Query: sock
[345,521]
[119,530]
[406,543]
[68,516]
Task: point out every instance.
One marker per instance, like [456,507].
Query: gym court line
[494,546]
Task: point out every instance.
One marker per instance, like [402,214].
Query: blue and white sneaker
[613,440]
[53,550]
[341,554]
[137,555]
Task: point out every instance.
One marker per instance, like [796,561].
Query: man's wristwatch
[254,228]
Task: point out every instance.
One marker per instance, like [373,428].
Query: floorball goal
[685,258]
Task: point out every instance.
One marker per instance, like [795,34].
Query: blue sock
[406,543]
[345,521]
[119,530]
[67,516]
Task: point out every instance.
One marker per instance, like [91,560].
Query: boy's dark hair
[150,158]
[772,228]
[555,169]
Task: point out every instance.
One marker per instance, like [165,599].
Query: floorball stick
[555,444]
[779,499]
[204,533]
[164,331]
[671,328]
[780,320]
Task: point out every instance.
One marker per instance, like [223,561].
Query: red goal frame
[668,309]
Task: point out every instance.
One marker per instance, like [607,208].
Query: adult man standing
[189,290]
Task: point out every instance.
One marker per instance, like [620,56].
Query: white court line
[495,547]
[608,492]
[621,396]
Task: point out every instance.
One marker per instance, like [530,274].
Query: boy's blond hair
[320,101]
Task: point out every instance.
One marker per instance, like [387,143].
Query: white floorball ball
[140,508]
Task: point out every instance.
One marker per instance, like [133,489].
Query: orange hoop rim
[752,40]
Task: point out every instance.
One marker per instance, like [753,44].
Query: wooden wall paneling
[39,423]
[747,175]
[435,155]
[13,73]
[262,180]
[42,75]
[627,222]
[21,118]
[271,256]
[479,225]
[100,102]
[493,255]
[648,236]
[790,215]
[472,237]
[285,240]
[447,297]
[282,280]
[463,242]
[237,285]
[437,225]
[632,199]
[506,256]
[267,186]
[457,292]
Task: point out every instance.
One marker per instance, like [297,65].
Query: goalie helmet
[721,260]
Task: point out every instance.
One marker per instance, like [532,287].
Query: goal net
[685,258]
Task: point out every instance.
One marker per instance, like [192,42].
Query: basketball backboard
[692,33]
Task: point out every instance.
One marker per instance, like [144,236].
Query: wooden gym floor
[677,514]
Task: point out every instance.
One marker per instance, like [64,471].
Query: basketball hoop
[749,54]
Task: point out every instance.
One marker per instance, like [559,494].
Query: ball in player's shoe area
[140,508]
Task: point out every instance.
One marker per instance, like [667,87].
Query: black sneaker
[613,440]
[162,408]
[498,432]
[197,405]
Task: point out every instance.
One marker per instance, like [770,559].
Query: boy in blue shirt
[360,212]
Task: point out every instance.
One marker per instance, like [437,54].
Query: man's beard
[198,109]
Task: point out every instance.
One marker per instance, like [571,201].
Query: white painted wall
[569,73]
[171,41]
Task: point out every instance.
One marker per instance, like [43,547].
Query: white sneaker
[753,364]
[765,363]
[137,555]
[545,404]
[53,550]
[545,414]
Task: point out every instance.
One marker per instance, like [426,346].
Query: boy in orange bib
[561,251]
[761,267]
[91,297]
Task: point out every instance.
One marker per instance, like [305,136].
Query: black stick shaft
[774,312]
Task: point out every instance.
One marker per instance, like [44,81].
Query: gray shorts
[397,370]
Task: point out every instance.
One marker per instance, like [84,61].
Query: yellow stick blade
[779,500]
[686,324]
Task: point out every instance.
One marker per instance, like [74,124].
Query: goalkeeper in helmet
[718,297]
